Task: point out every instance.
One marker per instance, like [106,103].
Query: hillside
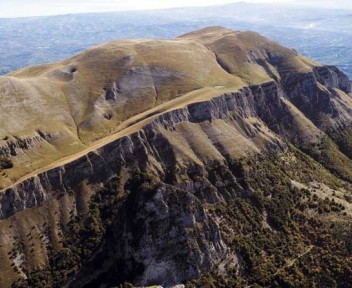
[216,158]
[321,34]
[89,96]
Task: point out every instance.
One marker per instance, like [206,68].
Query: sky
[24,8]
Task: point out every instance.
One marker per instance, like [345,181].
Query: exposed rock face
[193,124]
[155,141]
[13,148]
[333,78]
[314,94]
[167,238]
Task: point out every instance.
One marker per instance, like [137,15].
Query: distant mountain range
[321,34]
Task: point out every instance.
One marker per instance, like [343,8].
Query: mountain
[215,159]
[321,34]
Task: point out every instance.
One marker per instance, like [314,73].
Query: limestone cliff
[166,161]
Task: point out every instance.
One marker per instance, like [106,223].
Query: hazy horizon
[23,8]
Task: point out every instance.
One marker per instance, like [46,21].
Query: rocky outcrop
[314,93]
[161,237]
[332,77]
[11,148]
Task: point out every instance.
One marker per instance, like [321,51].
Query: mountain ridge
[81,116]
[262,131]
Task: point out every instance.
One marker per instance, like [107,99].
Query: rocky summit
[216,159]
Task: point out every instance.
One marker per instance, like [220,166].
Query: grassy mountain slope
[219,158]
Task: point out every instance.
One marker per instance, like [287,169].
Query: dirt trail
[291,262]
[134,124]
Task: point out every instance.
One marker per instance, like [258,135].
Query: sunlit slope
[56,110]
[85,98]
[109,83]
[249,55]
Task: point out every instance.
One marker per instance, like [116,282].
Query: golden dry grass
[70,99]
